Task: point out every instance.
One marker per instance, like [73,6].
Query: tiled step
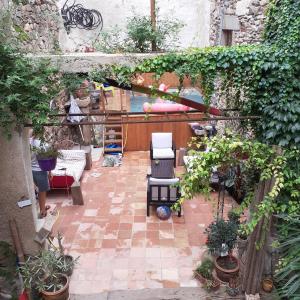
[113,141]
[112,126]
[119,149]
[113,133]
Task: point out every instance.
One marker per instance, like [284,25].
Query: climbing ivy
[260,80]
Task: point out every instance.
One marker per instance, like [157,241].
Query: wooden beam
[149,121]
[153,22]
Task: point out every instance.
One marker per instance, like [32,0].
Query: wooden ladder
[113,134]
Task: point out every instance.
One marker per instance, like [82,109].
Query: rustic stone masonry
[251,15]
[40,20]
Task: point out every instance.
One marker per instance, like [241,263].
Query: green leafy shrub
[221,232]
[26,89]
[43,271]
[288,268]
[140,36]
[205,268]
[47,152]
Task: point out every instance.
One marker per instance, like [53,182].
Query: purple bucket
[47,164]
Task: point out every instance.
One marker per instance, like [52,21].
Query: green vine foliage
[26,89]
[262,163]
[261,80]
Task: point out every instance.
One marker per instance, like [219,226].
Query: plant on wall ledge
[140,35]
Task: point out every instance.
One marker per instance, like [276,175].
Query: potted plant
[221,240]
[67,261]
[204,273]
[42,272]
[242,238]
[47,157]
[232,289]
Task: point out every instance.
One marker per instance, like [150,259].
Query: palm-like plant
[288,268]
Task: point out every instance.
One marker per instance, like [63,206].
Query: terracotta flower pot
[62,294]
[267,285]
[223,273]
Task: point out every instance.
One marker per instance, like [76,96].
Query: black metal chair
[162,192]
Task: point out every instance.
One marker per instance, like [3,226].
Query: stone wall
[39,23]
[250,13]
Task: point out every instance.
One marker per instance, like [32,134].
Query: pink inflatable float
[162,106]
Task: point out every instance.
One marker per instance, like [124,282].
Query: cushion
[73,154]
[163,153]
[161,140]
[163,181]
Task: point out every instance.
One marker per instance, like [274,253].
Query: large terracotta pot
[225,274]
[62,294]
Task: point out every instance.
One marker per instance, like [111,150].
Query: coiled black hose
[76,16]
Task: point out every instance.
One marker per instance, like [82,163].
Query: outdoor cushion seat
[162,192]
[162,146]
[166,153]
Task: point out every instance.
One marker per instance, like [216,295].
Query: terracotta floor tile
[119,284]
[120,274]
[125,226]
[139,235]
[124,234]
[153,284]
[126,218]
[152,226]
[166,234]
[152,234]
[137,252]
[153,242]
[168,252]
[137,263]
[170,274]
[170,284]
[139,243]
[166,226]
[167,242]
[153,252]
[139,227]
[139,219]
[111,232]
[90,212]
[153,263]
[109,243]
[153,274]
[136,275]
[136,284]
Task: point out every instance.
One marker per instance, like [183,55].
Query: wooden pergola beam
[147,121]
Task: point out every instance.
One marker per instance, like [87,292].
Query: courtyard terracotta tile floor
[119,246]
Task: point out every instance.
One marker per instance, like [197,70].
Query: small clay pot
[267,285]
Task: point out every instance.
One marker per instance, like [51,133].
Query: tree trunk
[254,265]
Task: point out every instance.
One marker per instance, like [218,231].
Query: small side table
[162,168]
